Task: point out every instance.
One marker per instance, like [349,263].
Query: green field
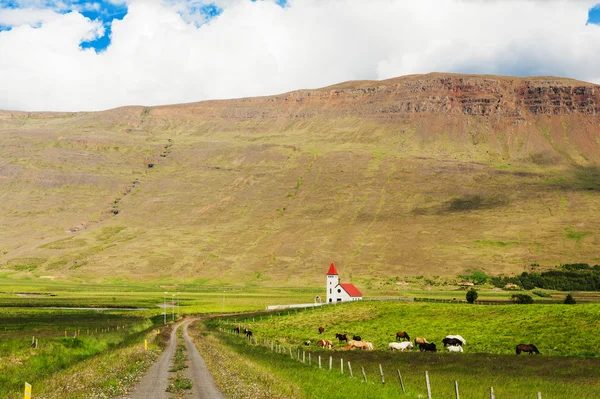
[566,336]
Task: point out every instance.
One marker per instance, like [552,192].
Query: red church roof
[350,289]
[332,269]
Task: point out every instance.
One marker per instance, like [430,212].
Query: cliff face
[497,97]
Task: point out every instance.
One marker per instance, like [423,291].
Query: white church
[337,292]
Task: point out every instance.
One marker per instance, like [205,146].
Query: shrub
[569,300]
[472,295]
[521,298]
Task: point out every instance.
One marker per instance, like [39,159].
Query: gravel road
[154,383]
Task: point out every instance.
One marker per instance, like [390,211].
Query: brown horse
[402,335]
[342,337]
[321,330]
[527,348]
[420,340]
[325,343]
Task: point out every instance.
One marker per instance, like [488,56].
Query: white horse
[369,346]
[401,346]
[458,337]
[455,348]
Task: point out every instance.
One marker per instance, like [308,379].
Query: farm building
[340,292]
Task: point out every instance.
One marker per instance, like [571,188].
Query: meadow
[566,336]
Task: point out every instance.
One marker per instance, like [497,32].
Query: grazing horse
[359,344]
[357,338]
[455,348]
[321,330]
[527,348]
[342,337]
[325,343]
[248,333]
[427,347]
[402,335]
[237,330]
[452,342]
[401,346]
[420,340]
[461,339]
[307,343]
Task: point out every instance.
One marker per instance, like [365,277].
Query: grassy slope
[270,203]
[491,333]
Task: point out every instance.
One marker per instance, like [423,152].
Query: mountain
[431,175]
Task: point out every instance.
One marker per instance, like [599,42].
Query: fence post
[298,353]
[401,382]
[330,362]
[319,361]
[381,373]
[291,355]
[363,373]
[492,396]
[456,389]
[309,362]
[428,386]
[539,395]
[27,394]
[342,365]
[350,368]
[303,356]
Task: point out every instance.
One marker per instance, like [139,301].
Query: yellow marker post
[145,344]
[27,391]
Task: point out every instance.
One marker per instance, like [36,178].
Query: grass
[491,332]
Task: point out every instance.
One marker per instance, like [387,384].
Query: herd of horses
[453,343]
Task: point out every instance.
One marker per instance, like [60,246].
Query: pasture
[565,335]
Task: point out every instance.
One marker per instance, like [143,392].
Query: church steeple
[332,282]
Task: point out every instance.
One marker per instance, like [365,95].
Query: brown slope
[430,174]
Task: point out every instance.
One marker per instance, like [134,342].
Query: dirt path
[155,382]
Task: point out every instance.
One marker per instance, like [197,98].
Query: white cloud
[258,48]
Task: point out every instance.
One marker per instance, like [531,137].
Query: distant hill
[432,175]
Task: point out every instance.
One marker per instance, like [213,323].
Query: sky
[74,55]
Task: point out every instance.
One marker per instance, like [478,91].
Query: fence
[322,363]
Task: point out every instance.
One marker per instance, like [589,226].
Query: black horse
[452,342]
[527,348]
[236,330]
[427,347]
[342,337]
[356,338]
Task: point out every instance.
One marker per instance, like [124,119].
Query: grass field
[566,336]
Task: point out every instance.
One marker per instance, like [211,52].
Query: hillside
[418,175]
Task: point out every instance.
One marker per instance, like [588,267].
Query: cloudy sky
[71,55]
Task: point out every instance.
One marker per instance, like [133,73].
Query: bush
[569,300]
[521,298]
[472,295]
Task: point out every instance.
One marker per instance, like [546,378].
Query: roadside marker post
[145,344]
[27,391]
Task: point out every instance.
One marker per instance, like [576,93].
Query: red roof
[350,289]
[332,269]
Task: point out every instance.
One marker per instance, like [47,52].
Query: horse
[527,348]
[455,348]
[402,335]
[369,346]
[401,346]
[427,347]
[452,342]
[461,339]
[342,337]
[321,330]
[325,343]
[248,333]
[359,344]
[237,330]
[307,343]
[420,340]
[357,338]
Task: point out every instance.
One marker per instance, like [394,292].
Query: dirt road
[155,382]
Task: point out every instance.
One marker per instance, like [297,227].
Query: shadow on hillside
[465,203]
[582,178]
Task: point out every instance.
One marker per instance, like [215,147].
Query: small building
[511,286]
[340,292]
[466,283]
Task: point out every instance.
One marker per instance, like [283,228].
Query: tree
[569,300]
[472,295]
[522,298]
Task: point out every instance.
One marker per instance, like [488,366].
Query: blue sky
[72,55]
